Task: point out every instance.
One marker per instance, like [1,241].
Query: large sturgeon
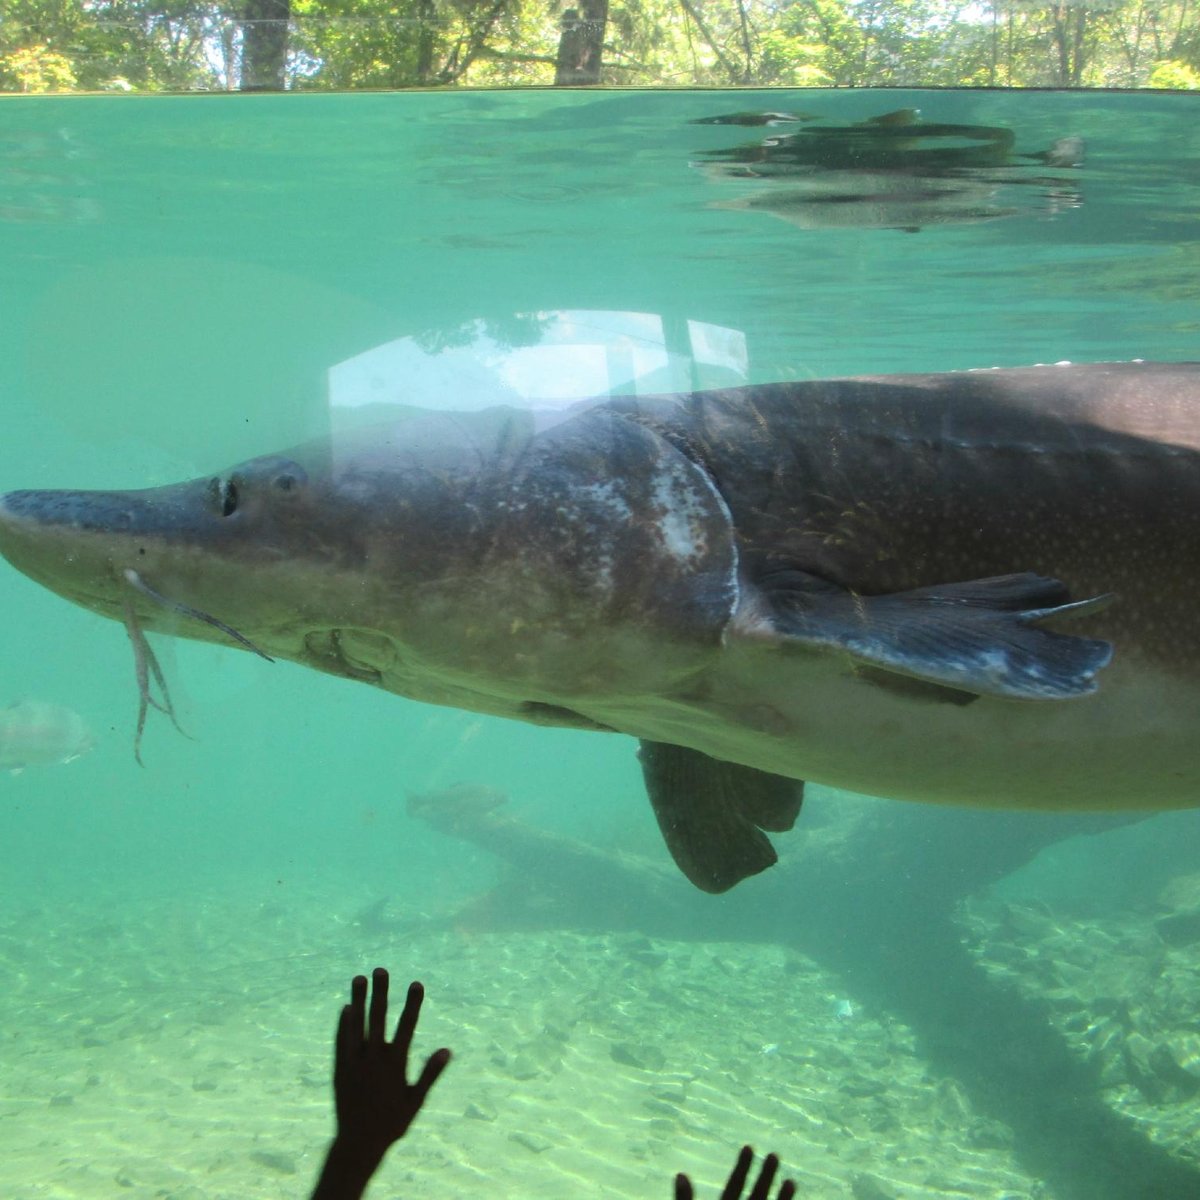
[910,585]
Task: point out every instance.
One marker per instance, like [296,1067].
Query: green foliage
[1174,74]
[89,45]
[793,60]
[36,68]
[152,45]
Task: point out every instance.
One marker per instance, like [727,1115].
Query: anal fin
[712,813]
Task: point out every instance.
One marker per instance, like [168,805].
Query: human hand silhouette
[737,1180]
[375,1103]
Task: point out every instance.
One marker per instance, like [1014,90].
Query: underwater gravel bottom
[584,1065]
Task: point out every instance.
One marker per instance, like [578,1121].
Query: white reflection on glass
[542,360]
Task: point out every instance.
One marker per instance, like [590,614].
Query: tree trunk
[426,34]
[264,45]
[581,44]
[1069,32]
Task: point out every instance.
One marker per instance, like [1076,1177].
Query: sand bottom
[182,1051]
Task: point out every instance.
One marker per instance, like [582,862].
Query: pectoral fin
[712,813]
[983,636]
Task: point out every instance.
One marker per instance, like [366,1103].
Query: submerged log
[870,891]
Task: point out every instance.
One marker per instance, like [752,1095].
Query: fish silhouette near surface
[974,588]
[894,171]
[36,733]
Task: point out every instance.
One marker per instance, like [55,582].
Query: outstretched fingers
[434,1066]
[737,1177]
[350,1022]
[766,1177]
[377,1016]
[407,1025]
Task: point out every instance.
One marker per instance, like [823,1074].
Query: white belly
[1133,744]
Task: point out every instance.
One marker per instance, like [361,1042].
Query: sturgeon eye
[223,494]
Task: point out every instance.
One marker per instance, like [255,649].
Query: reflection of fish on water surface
[894,171]
[875,200]
[905,585]
[37,733]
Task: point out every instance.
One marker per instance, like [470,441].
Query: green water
[185,282]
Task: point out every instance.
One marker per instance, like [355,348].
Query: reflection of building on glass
[541,358]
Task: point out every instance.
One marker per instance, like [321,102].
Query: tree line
[172,45]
